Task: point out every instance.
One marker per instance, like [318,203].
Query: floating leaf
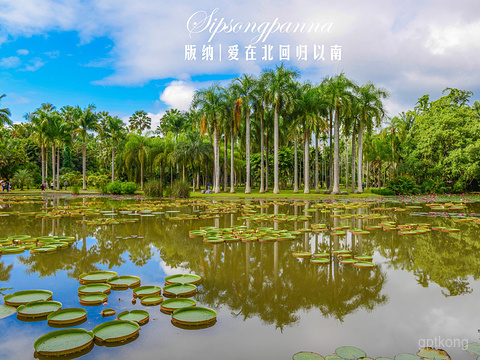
[350,352]
[146,291]
[63,342]
[171,305]
[116,330]
[183,279]
[194,316]
[473,348]
[305,355]
[138,316]
[406,356]
[179,290]
[433,354]
[25,296]
[6,310]
[38,308]
[67,316]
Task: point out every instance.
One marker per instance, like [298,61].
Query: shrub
[76,189]
[403,185]
[459,186]
[153,188]
[129,187]
[180,189]
[115,188]
[383,192]
[22,178]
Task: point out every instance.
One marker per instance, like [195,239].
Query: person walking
[52,185]
[66,184]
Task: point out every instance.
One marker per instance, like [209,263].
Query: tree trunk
[161,178]
[58,169]
[336,155]
[171,176]
[53,165]
[216,158]
[247,155]
[225,167]
[84,165]
[43,163]
[276,188]
[141,175]
[360,158]
[262,167]
[353,159]
[232,162]
[295,164]
[113,163]
[306,163]
[346,162]
[267,180]
[317,189]
[330,172]
[183,170]
[46,164]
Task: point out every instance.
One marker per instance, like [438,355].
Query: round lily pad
[183,279]
[124,281]
[47,249]
[93,299]
[25,296]
[179,290]
[405,356]
[67,316]
[116,330]
[138,316]
[473,348]
[350,352]
[363,257]
[12,250]
[96,277]
[302,254]
[171,305]
[38,308]
[151,300]
[94,288]
[364,265]
[305,355]
[6,310]
[63,342]
[320,261]
[194,315]
[108,312]
[433,354]
[321,255]
[348,261]
[148,290]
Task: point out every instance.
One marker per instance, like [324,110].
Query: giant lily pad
[12,250]
[350,352]
[179,290]
[405,356]
[6,310]
[151,300]
[473,348]
[116,330]
[305,355]
[38,308]
[124,281]
[63,342]
[93,299]
[302,254]
[364,265]
[96,277]
[171,305]
[139,316]
[67,316]
[183,279]
[320,261]
[25,296]
[94,288]
[148,290]
[194,315]
[433,354]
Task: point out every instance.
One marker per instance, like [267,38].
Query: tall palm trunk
[247,155]
[225,167]
[336,155]
[141,175]
[84,165]
[53,165]
[267,180]
[353,159]
[58,169]
[346,162]
[295,164]
[232,162]
[306,162]
[330,172]
[113,163]
[317,190]
[262,184]
[43,163]
[360,158]
[276,188]
[216,157]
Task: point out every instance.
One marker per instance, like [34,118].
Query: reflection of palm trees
[5,271]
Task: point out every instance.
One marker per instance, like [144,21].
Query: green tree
[140,121]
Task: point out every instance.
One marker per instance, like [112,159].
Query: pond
[423,290]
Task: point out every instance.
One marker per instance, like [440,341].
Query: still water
[423,291]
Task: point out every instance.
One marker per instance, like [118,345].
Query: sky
[123,56]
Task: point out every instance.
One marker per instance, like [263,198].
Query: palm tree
[4,115]
[338,94]
[245,87]
[173,121]
[38,136]
[370,107]
[114,129]
[140,121]
[85,120]
[136,148]
[209,102]
[259,104]
[280,95]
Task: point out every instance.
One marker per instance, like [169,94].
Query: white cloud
[10,62]
[155,119]
[23,52]
[178,94]
[34,64]
[53,54]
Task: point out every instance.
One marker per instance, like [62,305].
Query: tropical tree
[4,114]
[280,95]
[173,121]
[209,103]
[22,178]
[114,129]
[85,120]
[370,109]
[140,121]
[136,148]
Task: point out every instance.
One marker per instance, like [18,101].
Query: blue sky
[126,56]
